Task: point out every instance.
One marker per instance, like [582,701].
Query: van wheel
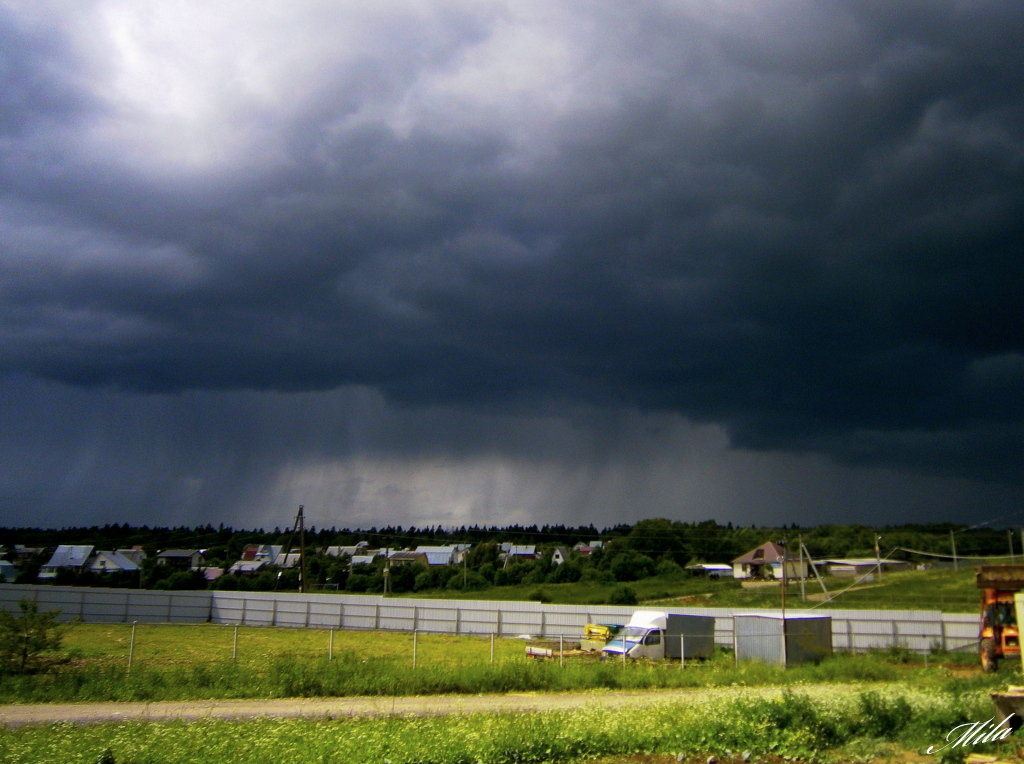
[989,659]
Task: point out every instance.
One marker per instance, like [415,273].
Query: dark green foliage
[631,566]
[26,638]
[623,595]
[182,579]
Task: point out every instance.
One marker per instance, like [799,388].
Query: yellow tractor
[999,636]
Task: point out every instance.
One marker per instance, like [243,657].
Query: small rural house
[766,561]
[182,559]
[247,567]
[407,557]
[260,552]
[560,555]
[350,551]
[135,554]
[289,560]
[111,562]
[66,556]
[449,554]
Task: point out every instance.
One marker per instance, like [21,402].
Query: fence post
[561,650]
[131,649]
[492,647]
[414,633]
[682,651]
[234,645]
[735,643]
[330,647]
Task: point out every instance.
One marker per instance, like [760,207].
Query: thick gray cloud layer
[492,233]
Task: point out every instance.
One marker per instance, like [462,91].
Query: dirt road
[95,713]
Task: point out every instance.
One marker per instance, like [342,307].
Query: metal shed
[689,636]
[785,640]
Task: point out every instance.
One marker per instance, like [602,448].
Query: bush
[25,637]
[631,566]
[623,595]
[669,569]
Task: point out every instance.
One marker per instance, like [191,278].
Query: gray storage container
[783,640]
[689,636]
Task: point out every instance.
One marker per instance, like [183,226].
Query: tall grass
[291,676]
[845,725]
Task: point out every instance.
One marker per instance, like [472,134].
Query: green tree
[26,636]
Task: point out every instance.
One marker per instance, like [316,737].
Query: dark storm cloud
[800,222]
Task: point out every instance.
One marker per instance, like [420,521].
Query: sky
[524,261]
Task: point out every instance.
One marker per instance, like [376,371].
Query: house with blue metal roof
[66,556]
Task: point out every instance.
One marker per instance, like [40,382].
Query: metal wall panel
[852,629]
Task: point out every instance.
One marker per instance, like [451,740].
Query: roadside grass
[944,589]
[191,662]
[821,725]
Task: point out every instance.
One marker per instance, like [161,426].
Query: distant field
[944,589]
[173,644]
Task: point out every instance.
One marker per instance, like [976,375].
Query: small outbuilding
[857,566]
[710,570]
[782,639]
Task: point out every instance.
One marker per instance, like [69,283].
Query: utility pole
[803,572]
[301,522]
[952,541]
[782,557]
[1009,537]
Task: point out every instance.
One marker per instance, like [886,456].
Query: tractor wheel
[989,659]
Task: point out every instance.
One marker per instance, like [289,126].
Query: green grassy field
[945,589]
[183,662]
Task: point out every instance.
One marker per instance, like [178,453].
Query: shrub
[25,637]
[623,595]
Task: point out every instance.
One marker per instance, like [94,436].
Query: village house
[111,562]
[73,557]
[449,554]
[181,559]
[766,561]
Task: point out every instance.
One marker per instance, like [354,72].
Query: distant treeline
[682,542]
